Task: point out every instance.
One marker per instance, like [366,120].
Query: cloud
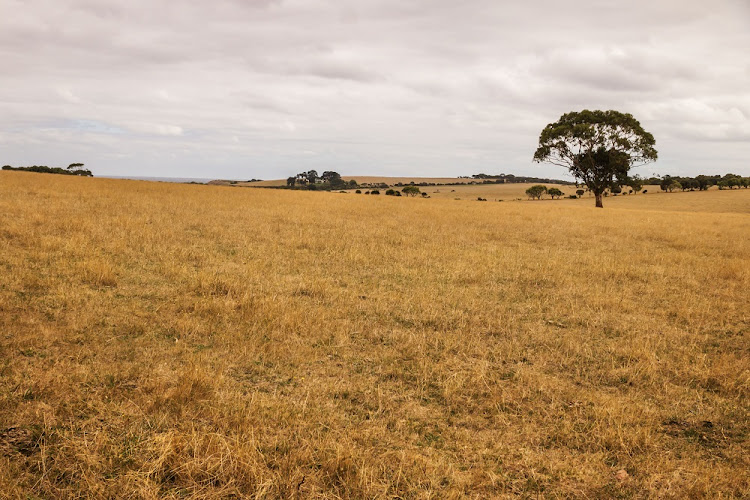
[443,87]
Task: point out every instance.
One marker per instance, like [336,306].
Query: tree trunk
[599,200]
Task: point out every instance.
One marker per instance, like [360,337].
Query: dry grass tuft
[163,340]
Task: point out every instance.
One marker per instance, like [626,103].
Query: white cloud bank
[241,89]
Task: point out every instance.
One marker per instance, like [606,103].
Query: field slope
[162,340]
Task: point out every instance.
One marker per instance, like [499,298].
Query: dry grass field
[170,341]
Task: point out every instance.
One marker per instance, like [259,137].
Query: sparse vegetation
[173,340]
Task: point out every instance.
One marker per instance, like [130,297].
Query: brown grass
[162,340]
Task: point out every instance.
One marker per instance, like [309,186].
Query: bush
[358,191]
[374,191]
[390,192]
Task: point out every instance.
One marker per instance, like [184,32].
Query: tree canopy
[597,147]
[536,191]
[410,190]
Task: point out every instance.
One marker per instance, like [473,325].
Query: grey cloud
[443,87]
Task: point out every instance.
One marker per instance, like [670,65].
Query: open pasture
[162,340]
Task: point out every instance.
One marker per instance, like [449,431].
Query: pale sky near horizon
[268,88]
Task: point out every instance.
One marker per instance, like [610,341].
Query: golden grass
[164,340]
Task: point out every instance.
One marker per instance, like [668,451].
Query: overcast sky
[268,88]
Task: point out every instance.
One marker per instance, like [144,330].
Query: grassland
[161,340]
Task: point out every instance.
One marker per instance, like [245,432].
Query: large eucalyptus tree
[597,147]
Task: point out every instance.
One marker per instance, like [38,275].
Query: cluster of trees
[327,181]
[539,190]
[72,169]
[700,182]
[407,191]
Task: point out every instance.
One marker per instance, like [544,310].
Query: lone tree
[554,192]
[410,190]
[597,147]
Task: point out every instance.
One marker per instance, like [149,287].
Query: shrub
[374,191]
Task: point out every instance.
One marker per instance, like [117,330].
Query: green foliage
[634,182]
[580,192]
[73,169]
[333,179]
[554,193]
[597,147]
[410,190]
[328,181]
[536,191]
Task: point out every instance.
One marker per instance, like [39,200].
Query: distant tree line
[700,182]
[519,179]
[73,169]
[666,183]
[327,181]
